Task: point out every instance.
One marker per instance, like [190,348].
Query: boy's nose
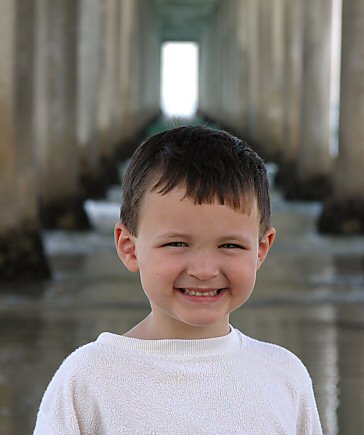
[203,267]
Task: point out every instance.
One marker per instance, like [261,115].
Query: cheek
[150,284]
[243,281]
[242,273]
[154,274]
[243,266]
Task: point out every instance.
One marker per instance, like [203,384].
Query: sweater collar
[206,346]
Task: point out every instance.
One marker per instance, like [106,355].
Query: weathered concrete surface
[98,100]
[21,250]
[351,133]
[292,93]
[307,175]
[269,126]
[241,78]
[253,65]
[292,79]
[56,111]
[128,66]
[150,51]
[139,66]
[344,211]
[242,68]
[109,103]
[224,86]
[314,160]
[88,81]
[209,73]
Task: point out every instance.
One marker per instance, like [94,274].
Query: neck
[155,328]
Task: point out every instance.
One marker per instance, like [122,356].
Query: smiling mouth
[190,292]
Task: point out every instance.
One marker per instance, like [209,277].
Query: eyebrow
[173,235]
[236,237]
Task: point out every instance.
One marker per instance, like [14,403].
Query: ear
[264,245]
[125,247]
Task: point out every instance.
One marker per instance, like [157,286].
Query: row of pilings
[273,76]
[78,80]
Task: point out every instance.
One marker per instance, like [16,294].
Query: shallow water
[309,298]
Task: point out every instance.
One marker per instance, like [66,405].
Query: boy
[195,224]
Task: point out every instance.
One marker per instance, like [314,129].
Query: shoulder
[90,361]
[81,360]
[70,400]
[280,371]
[94,362]
[62,409]
[275,359]
[75,371]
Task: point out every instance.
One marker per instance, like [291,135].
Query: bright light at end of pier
[179,81]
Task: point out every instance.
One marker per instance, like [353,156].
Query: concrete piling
[21,250]
[78,81]
[343,212]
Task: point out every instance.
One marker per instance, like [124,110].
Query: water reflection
[309,298]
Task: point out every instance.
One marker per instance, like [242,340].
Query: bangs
[213,187]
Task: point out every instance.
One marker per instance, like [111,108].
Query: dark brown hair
[211,165]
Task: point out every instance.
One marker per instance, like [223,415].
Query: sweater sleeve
[57,414]
[308,422]
[66,407]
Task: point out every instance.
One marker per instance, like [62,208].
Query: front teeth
[194,293]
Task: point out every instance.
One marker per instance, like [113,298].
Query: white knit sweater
[225,385]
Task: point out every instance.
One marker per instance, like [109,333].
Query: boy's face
[197,263]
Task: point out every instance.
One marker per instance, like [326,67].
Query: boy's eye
[231,246]
[176,244]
